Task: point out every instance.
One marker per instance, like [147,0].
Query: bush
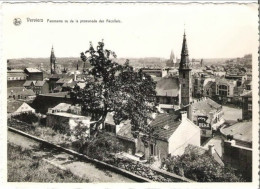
[102,146]
[27,117]
[201,168]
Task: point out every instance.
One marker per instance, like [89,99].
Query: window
[250,107]
[183,85]
[183,75]
[223,90]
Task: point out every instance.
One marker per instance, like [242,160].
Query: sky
[145,30]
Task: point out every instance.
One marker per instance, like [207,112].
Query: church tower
[185,75]
[53,61]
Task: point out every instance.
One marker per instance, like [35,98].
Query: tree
[201,168]
[111,87]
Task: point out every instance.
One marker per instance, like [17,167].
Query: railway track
[79,164]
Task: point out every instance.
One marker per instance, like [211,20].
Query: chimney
[75,75]
[183,115]
[211,149]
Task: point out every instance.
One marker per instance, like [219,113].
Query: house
[41,87]
[209,89]
[15,78]
[43,102]
[52,81]
[29,84]
[198,150]
[168,91]
[170,137]
[17,107]
[238,147]
[60,118]
[33,74]
[20,93]
[225,89]
[207,114]
[62,81]
[247,105]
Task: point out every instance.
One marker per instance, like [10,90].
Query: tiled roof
[33,70]
[248,82]
[63,80]
[20,91]
[27,83]
[209,84]
[241,131]
[205,105]
[126,133]
[58,88]
[200,151]
[62,107]
[12,106]
[72,84]
[59,94]
[165,125]
[39,83]
[247,94]
[55,76]
[168,87]
[15,71]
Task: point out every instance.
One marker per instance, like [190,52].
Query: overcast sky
[146,30]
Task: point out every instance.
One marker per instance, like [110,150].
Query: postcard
[129,95]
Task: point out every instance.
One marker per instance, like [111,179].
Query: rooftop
[62,106]
[33,70]
[165,125]
[168,87]
[69,115]
[60,94]
[28,83]
[126,133]
[205,105]
[241,131]
[247,94]
[39,83]
[21,91]
[12,106]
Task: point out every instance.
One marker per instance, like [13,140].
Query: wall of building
[239,158]
[43,103]
[187,133]
[161,149]
[57,122]
[15,83]
[246,111]
[35,76]
[129,147]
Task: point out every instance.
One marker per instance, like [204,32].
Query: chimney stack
[183,115]
[211,149]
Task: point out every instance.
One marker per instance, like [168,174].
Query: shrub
[201,168]
[27,117]
[102,146]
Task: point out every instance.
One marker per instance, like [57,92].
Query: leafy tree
[111,87]
[201,168]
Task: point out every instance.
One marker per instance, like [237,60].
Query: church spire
[52,61]
[184,63]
